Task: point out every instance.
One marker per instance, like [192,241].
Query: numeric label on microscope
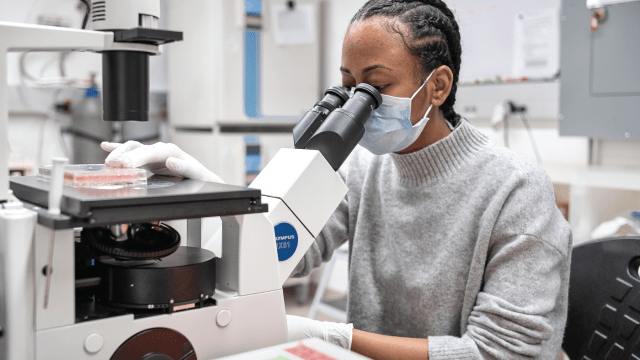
[286,240]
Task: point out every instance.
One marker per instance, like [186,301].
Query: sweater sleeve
[520,311]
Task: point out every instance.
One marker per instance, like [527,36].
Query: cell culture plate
[96,175]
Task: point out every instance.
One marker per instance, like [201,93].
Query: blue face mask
[389,129]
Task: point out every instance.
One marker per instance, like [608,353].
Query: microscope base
[256,321]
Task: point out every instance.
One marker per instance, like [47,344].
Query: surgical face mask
[389,129]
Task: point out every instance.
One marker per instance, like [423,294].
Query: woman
[457,248]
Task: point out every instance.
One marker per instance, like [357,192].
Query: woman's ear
[443,79]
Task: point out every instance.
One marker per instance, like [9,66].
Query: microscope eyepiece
[337,95]
[336,137]
[334,98]
[371,91]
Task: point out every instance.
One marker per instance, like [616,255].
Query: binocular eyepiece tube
[335,125]
[334,98]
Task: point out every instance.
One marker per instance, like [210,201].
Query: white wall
[338,14]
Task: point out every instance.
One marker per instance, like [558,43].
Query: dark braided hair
[434,37]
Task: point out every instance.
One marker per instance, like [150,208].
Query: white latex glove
[159,158]
[336,333]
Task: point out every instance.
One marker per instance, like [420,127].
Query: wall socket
[53,20]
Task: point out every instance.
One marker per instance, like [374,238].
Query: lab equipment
[116,271]
[600,81]
[56,177]
[118,288]
[344,127]
[125,71]
[127,34]
[96,175]
[334,98]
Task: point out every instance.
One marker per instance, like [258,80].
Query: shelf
[530,81]
[594,176]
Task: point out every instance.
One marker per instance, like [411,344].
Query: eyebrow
[367,69]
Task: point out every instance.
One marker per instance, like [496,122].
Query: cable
[51,81]
[48,63]
[63,58]
[86,14]
[525,122]
[505,130]
[39,146]
[44,81]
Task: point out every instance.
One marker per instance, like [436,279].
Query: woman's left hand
[304,328]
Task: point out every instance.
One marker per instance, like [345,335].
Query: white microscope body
[302,191]
[39,313]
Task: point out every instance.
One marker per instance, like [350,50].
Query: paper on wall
[293,26]
[536,44]
[592,4]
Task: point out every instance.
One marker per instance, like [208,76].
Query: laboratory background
[557,81]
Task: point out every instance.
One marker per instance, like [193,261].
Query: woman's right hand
[159,158]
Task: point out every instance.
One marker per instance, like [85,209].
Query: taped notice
[537,45]
[293,26]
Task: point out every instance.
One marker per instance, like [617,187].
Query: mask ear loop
[421,123]
[430,106]
[422,86]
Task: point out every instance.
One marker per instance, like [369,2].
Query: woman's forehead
[374,41]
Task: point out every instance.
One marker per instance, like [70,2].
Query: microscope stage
[163,198]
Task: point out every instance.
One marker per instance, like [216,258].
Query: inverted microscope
[105,278]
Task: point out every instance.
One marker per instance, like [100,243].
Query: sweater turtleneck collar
[441,158]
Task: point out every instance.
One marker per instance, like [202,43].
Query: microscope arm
[302,191]
[260,251]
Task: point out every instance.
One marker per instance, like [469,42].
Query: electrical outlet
[469,112]
[53,20]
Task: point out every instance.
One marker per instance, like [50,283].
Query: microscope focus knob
[223,318]
[93,343]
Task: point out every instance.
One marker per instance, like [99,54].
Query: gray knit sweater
[460,242]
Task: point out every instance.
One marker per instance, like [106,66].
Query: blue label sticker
[286,240]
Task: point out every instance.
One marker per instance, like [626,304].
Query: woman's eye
[348,88]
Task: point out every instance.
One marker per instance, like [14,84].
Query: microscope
[105,278]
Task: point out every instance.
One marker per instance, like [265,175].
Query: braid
[434,37]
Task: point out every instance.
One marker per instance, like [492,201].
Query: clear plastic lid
[96,175]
